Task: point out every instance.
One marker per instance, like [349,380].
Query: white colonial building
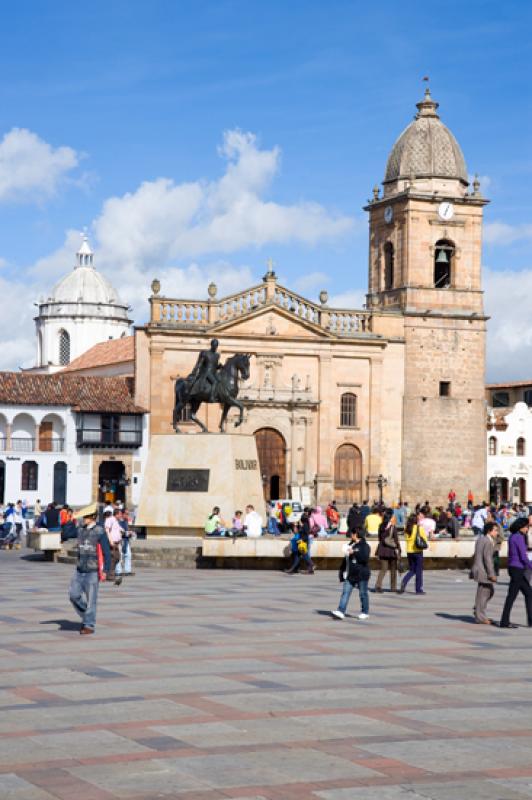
[509,441]
[82,310]
[70,438]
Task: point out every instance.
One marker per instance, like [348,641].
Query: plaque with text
[187,480]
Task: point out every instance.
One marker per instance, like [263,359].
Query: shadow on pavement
[457,617]
[62,624]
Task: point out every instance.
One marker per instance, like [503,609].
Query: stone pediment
[271,321]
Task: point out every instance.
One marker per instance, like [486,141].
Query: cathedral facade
[349,403]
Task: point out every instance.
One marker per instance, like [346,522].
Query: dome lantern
[85,255]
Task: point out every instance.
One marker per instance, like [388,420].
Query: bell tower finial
[427,107]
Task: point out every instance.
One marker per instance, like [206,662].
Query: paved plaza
[211,684]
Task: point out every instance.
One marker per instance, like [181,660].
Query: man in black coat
[355,521]
[355,571]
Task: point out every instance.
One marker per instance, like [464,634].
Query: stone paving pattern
[210,684]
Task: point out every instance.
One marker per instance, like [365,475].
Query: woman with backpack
[416,542]
[388,550]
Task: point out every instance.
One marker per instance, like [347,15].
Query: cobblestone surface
[201,685]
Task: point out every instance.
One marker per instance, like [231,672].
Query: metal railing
[23,444]
[96,437]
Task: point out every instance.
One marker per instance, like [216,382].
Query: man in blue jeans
[355,571]
[93,548]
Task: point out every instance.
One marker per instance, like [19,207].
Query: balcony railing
[22,444]
[96,437]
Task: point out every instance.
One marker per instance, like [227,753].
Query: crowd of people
[104,548]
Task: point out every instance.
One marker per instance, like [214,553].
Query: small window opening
[445,388]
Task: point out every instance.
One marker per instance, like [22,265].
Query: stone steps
[166,557]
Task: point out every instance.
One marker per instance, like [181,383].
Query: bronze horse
[225,393]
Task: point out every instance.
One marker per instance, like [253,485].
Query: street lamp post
[381,483]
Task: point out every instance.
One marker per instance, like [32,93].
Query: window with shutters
[30,476]
[348,410]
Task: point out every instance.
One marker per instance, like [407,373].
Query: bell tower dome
[425,267]
[425,228]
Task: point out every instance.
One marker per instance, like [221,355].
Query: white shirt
[479,518]
[253,524]
[428,525]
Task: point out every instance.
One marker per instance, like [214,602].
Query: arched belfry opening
[444,251]
[389,263]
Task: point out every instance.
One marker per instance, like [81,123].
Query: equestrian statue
[212,382]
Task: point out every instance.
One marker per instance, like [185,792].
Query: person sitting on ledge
[237,528]
[252,523]
[215,526]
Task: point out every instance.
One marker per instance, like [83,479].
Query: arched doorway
[111,482]
[271,448]
[60,483]
[522,490]
[348,474]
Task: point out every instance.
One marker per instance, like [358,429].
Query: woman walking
[388,550]
[518,564]
[416,542]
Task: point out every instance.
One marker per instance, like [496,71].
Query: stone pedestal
[186,475]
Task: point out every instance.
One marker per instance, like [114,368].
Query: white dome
[426,148]
[85,285]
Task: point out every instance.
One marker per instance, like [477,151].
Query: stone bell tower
[425,263]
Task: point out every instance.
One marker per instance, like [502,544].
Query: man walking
[93,547]
[483,572]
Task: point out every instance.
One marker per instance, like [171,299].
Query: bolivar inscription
[245,463]
[187,480]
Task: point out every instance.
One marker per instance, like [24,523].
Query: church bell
[442,257]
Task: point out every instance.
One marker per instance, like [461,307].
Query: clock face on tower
[388,214]
[446,211]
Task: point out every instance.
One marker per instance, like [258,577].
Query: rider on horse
[204,377]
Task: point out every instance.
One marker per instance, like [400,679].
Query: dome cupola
[83,309]
[425,152]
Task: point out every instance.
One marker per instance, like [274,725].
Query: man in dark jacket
[355,521]
[355,571]
[93,547]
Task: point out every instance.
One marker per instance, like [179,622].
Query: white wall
[79,462]
[84,333]
[506,463]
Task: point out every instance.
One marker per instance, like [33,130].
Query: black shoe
[508,625]
[377,590]
[401,590]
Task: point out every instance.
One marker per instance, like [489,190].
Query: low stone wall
[273,552]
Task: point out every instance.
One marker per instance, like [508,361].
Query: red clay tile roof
[81,392]
[113,351]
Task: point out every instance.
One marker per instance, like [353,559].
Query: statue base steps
[187,475]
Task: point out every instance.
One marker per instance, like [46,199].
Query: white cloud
[30,168]
[162,228]
[162,221]
[507,301]
[351,298]
[501,233]
[311,281]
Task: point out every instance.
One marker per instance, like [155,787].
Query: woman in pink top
[318,522]
[114,534]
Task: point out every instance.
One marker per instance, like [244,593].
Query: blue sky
[139,92]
